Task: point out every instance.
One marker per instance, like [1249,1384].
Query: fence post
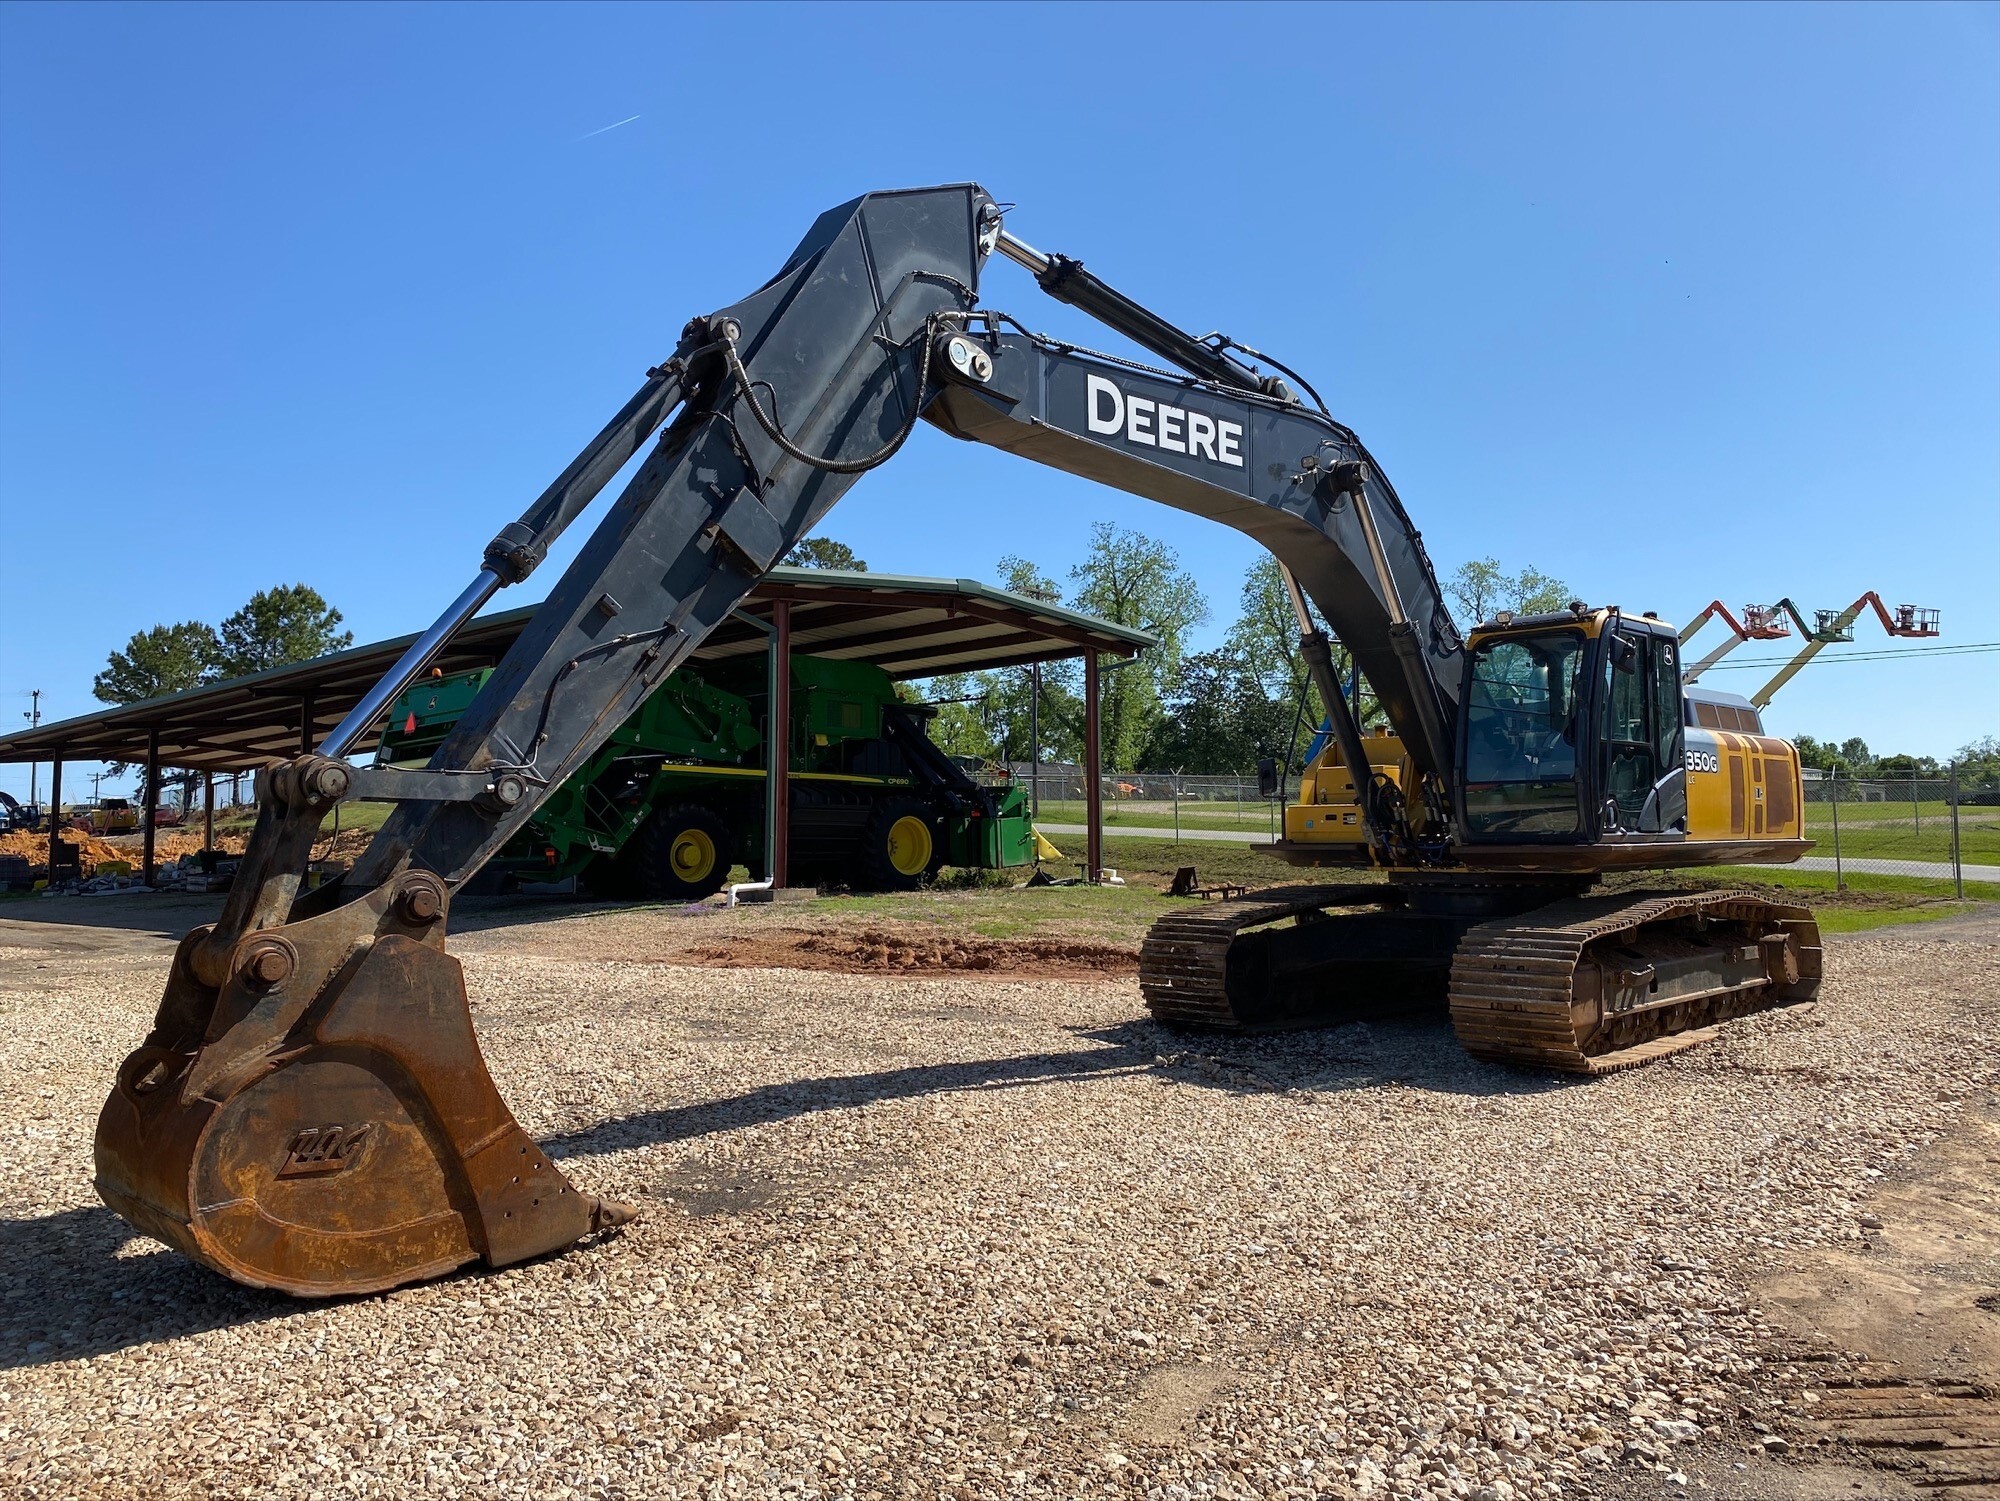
[1177,807]
[1916,808]
[1957,864]
[1839,880]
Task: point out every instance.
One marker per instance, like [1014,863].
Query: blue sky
[1670,302]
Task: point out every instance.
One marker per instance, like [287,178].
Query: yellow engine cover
[1328,811]
[1743,786]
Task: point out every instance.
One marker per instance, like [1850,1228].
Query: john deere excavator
[311,1111]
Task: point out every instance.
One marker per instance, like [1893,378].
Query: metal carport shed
[910,627]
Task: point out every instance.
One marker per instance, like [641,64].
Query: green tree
[281,625]
[1978,765]
[1482,588]
[1819,755]
[1850,758]
[166,659]
[1011,720]
[1907,766]
[1219,717]
[823,552]
[1019,576]
[1537,593]
[1134,580]
[959,727]
[1266,637]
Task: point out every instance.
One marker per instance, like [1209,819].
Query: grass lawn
[1243,817]
[1867,902]
[1903,839]
[1122,914]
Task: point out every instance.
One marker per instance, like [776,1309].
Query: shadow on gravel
[170,914]
[1415,1054]
[67,1294]
[166,915]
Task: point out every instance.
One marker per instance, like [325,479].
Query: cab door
[1643,777]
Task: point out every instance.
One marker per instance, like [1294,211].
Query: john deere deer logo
[319,1150]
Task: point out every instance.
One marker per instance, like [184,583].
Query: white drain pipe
[763,885]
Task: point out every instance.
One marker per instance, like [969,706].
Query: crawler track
[1565,986]
[1185,963]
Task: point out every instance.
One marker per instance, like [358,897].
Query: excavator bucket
[311,1111]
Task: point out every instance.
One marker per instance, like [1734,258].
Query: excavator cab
[1572,731]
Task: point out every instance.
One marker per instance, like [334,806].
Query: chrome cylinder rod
[1021,253]
[410,665]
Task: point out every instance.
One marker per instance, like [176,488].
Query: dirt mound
[345,846]
[876,951]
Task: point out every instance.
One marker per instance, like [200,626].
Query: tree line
[1215,712]
[1977,764]
[275,627]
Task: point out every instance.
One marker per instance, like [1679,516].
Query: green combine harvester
[675,797]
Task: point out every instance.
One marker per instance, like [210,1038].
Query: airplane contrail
[612,126]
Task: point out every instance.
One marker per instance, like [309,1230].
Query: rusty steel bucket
[311,1111]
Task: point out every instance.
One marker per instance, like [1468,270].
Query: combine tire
[901,848]
[682,853]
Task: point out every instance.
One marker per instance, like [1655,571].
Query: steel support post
[779,752]
[1093,774]
[208,811]
[55,814]
[1957,863]
[149,802]
[1034,740]
[306,711]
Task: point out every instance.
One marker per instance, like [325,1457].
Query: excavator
[311,1111]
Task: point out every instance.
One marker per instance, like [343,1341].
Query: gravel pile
[972,1238]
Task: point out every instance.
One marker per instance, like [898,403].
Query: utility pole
[1034,740]
[34,718]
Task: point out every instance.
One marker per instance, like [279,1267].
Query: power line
[1955,650]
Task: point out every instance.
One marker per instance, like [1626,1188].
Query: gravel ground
[973,1238]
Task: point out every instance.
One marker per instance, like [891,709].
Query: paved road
[1868,865]
[1811,862]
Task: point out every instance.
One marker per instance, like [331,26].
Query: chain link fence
[1155,800]
[1927,827]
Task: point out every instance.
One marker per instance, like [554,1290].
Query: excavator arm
[311,1111]
[1294,480]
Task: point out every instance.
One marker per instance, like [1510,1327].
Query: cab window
[1642,732]
[1521,730]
